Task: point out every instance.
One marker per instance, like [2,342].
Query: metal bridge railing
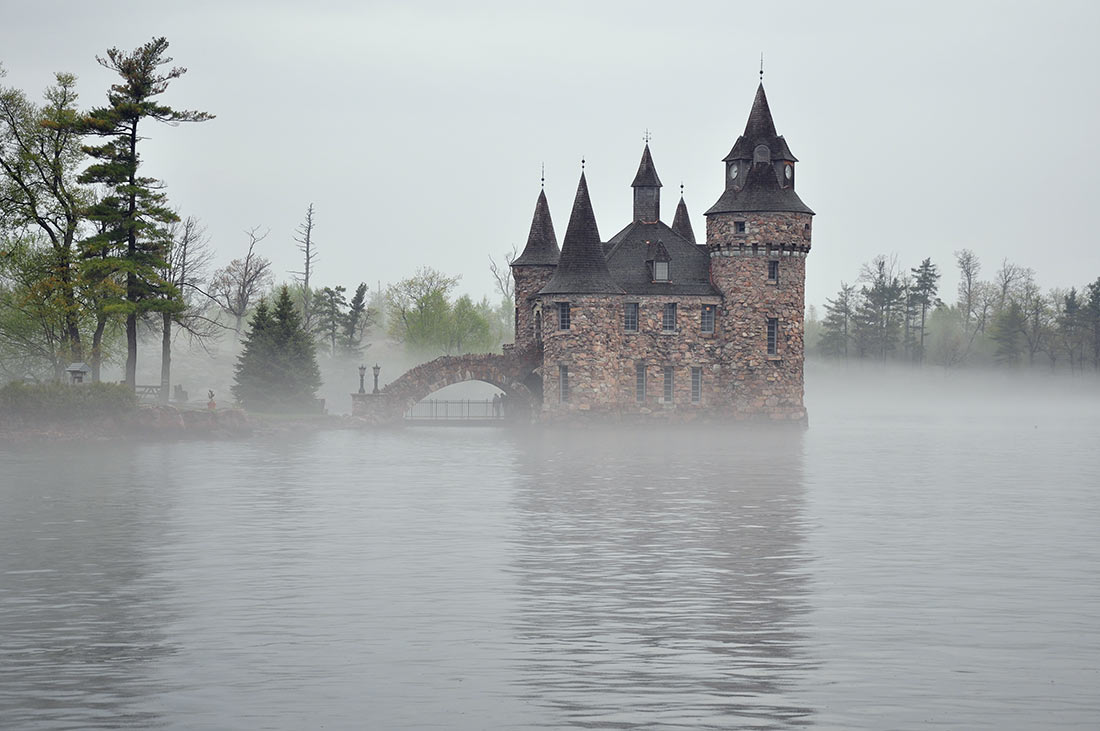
[467,410]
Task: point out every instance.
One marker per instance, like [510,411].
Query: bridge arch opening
[510,375]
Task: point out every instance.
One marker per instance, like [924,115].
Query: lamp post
[362,375]
[376,369]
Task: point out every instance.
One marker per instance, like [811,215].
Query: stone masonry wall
[528,281]
[602,358]
[756,383]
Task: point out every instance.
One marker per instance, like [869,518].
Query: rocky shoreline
[158,422]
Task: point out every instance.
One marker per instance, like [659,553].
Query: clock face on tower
[733,171]
[788,171]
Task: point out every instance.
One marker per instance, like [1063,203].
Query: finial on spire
[582,164]
[542,177]
[647,137]
[761,67]
[681,189]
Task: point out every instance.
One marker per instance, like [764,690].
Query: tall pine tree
[133,215]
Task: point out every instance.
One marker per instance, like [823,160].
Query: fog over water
[924,555]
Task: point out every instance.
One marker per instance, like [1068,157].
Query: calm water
[931,562]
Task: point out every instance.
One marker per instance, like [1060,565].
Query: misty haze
[404,366]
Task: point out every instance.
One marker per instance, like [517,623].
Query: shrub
[56,401]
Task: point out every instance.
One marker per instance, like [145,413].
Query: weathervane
[647,137]
[542,177]
[761,67]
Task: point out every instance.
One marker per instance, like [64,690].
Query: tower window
[538,327]
[660,271]
[706,320]
[773,270]
[563,316]
[563,383]
[739,227]
[773,335]
[668,321]
[696,385]
[630,317]
[639,383]
[668,384]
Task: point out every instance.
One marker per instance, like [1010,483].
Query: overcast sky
[418,129]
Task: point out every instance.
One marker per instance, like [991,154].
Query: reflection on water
[661,580]
[82,616]
[889,568]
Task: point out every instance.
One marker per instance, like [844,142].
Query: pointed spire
[760,130]
[647,189]
[582,268]
[760,122]
[647,172]
[542,244]
[681,223]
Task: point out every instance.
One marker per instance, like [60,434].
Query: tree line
[93,255]
[895,314]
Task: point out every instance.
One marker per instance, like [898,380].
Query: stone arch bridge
[509,372]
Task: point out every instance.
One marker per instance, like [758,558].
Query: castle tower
[647,190]
[758,236]
[531,270]
[581,307]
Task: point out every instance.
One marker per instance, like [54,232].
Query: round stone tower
[758,236]
[531,270]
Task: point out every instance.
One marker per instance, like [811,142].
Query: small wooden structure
[78,372]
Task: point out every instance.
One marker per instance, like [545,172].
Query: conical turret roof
[760,130]
[647,172]
[542,245]
[681,224]
[582,268]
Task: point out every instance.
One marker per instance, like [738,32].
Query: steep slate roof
[760,130]
[629,250]
[647,172]
[681,224]
[582,268]
[761,193]
[542,245]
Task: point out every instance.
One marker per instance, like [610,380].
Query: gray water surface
[933,562]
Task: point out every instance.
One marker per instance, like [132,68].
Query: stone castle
[653,324]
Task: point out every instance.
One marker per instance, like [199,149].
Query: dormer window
[657,259]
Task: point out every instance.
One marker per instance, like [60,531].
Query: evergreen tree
[356,322]
[133,214]
[328,315]
[878,318]
[277,370]
[1091,315]
[835,328]
[1007,332]
[926,279]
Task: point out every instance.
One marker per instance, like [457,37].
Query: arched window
[538,326]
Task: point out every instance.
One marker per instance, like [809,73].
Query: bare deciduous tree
[304,237]
[502,274]
[185,265]
[243,281]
